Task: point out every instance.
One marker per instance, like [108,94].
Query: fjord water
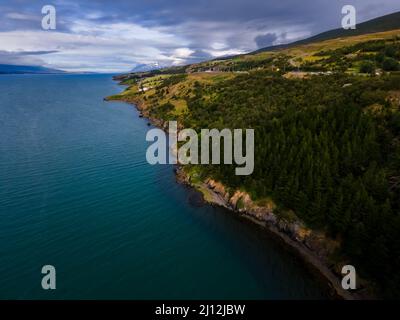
[77,193]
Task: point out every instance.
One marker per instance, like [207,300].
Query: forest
[327,145]
[327,148]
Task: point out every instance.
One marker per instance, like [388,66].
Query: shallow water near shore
[76,192]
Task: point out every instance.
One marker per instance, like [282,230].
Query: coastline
[288,234]
[307,244]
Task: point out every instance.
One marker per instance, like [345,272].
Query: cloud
[265,40]
[35,53]
[107,47]
[21,16]
[181,55]
[113,36]
[20,58]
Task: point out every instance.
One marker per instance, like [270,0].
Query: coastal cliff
[313,247]
[326,170]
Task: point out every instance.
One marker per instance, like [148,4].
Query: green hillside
[326,116]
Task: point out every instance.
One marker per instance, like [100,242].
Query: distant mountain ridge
[380,24]
[147,67]
[19,69]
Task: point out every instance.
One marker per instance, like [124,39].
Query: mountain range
[17,69]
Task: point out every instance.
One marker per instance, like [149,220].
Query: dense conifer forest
[327,150]
[327,138]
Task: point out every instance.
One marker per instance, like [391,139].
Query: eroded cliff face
[214,192]
[314,246]
[241,202]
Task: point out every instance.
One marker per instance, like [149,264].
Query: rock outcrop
[312,245]
[241,202]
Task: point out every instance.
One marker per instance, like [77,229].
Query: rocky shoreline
[308,244]
[313,247]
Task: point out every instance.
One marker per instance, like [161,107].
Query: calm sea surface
[76,192]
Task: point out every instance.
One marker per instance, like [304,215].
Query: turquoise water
[76,192]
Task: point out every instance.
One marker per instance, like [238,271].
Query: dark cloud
[265,40]
[34,53]
[19,58]
[322,14]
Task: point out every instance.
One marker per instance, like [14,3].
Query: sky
[117,35]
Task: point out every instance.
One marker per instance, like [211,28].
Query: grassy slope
[178,92]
